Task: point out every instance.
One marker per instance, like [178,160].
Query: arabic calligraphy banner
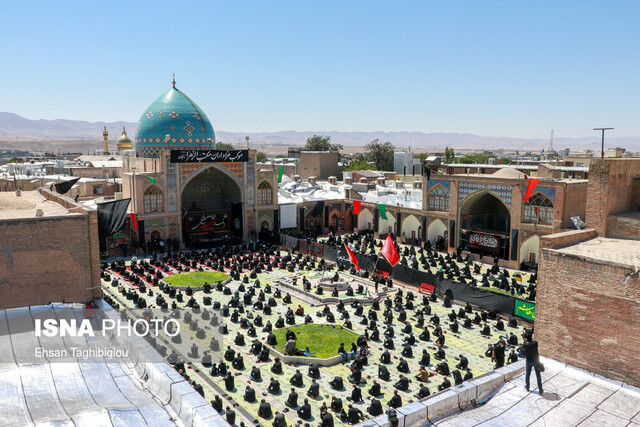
[209,156]
[215,221]
[525,309]
[485,241]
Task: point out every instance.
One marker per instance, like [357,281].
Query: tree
[321,143]
[261,157]
[449,155]
[224,146]
[358,165]
[381,154]
[15,160]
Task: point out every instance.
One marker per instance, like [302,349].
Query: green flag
[280,172]
[525,309]
[153,180]
[383,210]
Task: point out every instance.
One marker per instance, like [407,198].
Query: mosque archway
[387,225]
[211,207]
[436,229]
[484,222]
[411,229]
[365,220]
[530,249]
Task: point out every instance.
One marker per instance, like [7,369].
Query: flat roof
[621,252]
[26,205]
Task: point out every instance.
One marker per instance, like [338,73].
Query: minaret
[105,134]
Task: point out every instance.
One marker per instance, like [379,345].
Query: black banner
[480,297]
[63,187]
[111,218]
[312,248]
[330,253]
[514,244]
[209,156]
[205,222]
[236,218]
[484,241]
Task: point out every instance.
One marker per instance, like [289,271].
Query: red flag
[352,257]
[389,251]
[356,206]
[532,184]
[133,220]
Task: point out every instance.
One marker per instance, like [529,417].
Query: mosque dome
[173,121]
[124,143]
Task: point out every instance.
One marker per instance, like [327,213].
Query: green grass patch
[323,339]
[196,278]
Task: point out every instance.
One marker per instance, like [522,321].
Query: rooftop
[26,205]
[611,251]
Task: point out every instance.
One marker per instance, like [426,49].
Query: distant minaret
[105,134]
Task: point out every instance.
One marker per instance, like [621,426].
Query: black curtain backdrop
[63,187]
[236,214]
[111,218]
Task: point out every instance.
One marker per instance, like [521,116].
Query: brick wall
[49,259]
[588,315]
[624,226]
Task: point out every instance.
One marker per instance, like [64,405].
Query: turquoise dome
[173,121]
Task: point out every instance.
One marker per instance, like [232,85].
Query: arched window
[152,200]
[439,199]
[538,209]
[264,193]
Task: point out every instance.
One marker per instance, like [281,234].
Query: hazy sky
[496,68]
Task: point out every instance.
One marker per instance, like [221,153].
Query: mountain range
[17,132]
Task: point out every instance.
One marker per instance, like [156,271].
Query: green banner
[525,309]
[383,210]
[280,171]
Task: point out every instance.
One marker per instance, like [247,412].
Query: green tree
[262,156]
[321,143]
[15,160]
[358,165]
[449,155]
[381,154]
[224,146]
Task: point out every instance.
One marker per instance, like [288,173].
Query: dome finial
[174,80]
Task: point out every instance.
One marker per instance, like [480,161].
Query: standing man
[530,350]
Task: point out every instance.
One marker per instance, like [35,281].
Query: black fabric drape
[111,218]
[64,187]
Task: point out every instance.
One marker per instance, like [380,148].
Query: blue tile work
[550,192]
[176,115]
[503,192]
[432,182]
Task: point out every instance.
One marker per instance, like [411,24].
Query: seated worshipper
[440,354]
[500,325]
[375,408]
[486,331]
[445,384]
[457,377]
[437,331]
[383,373]
[279,420]
[264,355]
[467,323]
[229,381]
[513,322]
[230,415]
[279,322]
[304,412]
[468,375]
[396,400]
[356,394]
[454,327]
[403,366]
[425,335]
[440,340]
[423,374]
[463,363]
[292,400]
[289,335]
[308,319]
[271,339]
[217,404]
[274,386]
[375,389]
[336,383]
[407,328]
[388,343]
[314,389]
[300,311]
[264,410]
[296,379]
[355,377]
[435,320]
[426,359]
[287,299]
[249,394]
[407,351]
[424,392]
[513,357]
[255,374]
[452,316]
[513,340]
[314,372]
[402,384]
[326,418]
[229,354]
[290,347]
[238,362]
[239,340]
[443,369]
[276,368]
[268,327]
[354,415]
[498,354]
[385,357]
[336,404]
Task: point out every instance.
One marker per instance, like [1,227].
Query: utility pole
[602,129]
